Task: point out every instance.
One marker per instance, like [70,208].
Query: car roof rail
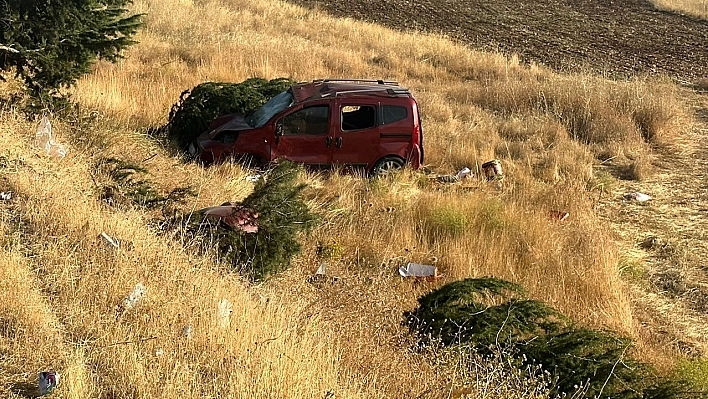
[377,81]
[390,92]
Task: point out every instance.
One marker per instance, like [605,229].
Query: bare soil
[620,38]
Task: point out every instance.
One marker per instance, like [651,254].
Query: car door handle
[328,141]
[339,142]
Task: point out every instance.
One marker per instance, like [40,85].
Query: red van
[367,124]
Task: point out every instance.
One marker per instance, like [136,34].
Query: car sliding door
[356,137]
[304,136]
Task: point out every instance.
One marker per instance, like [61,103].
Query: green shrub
[447,221]
[196,108]
[490,316]
[282,214]
[128,185]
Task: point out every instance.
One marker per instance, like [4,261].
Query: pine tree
[196,108]
[52,43]
[491,315]
[281,216]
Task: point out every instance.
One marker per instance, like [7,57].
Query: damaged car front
[238,134]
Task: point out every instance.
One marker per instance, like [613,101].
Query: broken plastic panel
[418,270]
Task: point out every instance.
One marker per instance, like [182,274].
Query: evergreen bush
[50,43]
[491,315]
[282,215]
[127,185]
[198,107]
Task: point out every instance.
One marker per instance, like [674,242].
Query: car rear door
[305,135]
[356,136]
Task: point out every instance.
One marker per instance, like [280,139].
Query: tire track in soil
[621,38]
[670,237]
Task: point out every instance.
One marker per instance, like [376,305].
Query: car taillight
[418,131]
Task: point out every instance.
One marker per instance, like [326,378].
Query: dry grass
[697,8]
[287,337]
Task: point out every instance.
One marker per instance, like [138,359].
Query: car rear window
[393,113]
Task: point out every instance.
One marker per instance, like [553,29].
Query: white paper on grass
[134,297]
[637,196]
[45,141]
[110,240]
[417,270]
[225,310]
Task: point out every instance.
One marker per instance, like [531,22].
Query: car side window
[393,113]
[311,120]
[358,117]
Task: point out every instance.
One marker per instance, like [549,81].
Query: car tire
[387,165]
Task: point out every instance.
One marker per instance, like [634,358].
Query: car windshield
[276,104]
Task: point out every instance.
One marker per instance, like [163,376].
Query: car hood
[237,122]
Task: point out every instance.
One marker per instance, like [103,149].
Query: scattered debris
[321,276]
[234,216]
[187,331]
[134,297]
[225,310]
[418,270]
[558,215]
[636,196]
[5,196]
[159,352]
[48,381]
[110,240]
[253,178]
[322,270]
[45,141]
[652,242]
[462,174]
[493,170]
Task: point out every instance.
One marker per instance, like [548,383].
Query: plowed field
[616,37]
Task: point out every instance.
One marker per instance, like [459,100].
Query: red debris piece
[234,216]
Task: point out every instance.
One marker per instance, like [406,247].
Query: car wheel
[386,166]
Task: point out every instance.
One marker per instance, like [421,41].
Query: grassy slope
[288,338]
[697,8]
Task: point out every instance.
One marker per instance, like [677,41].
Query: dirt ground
[619,38]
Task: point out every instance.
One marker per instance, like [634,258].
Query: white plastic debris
[637,196]
[225,313]
[418,270]
[110,240]
[463,173]
[5,196]
[48,381]
[253,178]
[322,270]
[134,297]
[187,331]
[159,352]
[45,141]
